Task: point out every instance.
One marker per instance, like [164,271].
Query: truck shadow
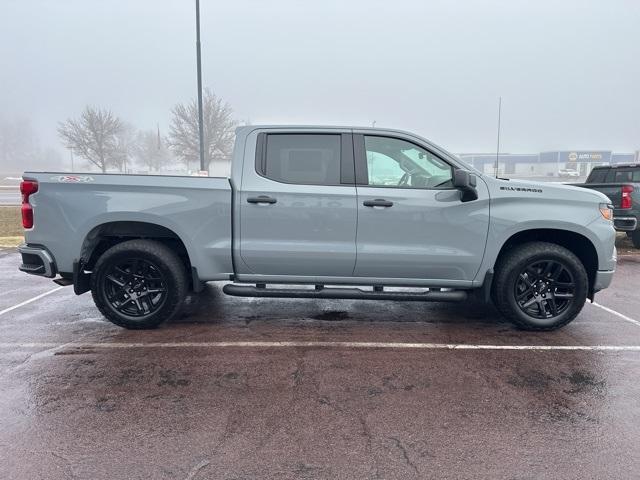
[214,307]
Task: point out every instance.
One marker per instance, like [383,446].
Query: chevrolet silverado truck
[621,184]
[321,213]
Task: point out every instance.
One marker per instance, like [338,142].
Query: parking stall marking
[311,344]
[617,314]
[26,302]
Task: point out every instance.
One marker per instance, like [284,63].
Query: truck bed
[69,206]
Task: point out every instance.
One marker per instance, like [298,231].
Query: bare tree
[18,143]
[219,129]
[94,136]
[126,146]
[20,147]
[151,150]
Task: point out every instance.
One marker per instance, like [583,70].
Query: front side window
[312,159]
[392,162]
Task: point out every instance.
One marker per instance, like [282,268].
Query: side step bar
[343,293]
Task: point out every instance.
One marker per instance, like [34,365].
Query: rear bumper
[603,279]
[625,224]
[36,260]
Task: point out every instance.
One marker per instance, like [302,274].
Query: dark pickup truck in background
[621,183]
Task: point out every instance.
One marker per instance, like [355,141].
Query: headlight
[606,210]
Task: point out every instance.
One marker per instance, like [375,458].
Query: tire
[138,284]
[635,238]
[540,286]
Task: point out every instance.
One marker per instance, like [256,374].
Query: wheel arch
[105,235]
[578,244]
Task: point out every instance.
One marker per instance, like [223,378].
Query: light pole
[199,68]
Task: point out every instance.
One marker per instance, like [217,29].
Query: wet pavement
[216,394]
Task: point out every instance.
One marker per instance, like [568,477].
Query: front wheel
[138,284]
[540,286]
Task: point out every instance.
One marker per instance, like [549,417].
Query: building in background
[580,161]
[518,164]
[621,158]
[546,164]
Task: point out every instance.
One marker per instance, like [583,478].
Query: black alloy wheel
[545,289]
[134,287]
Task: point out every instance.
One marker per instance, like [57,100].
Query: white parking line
[351,345]
[26,302]
[617,314]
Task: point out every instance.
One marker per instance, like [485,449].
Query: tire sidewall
[174,294]
[571,263]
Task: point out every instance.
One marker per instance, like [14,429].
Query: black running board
[344,293]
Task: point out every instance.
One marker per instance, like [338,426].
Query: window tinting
[627,176]
[392,162]
[303,159]
[598,175]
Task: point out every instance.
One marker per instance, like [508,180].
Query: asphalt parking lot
[265,388]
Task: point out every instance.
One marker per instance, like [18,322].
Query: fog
[567,71]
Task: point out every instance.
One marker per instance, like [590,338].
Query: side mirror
[466,182]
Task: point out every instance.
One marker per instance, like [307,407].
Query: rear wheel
[540,286]
[139,284]
[635,238]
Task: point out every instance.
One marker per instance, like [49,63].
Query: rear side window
[597,175]
[308,159]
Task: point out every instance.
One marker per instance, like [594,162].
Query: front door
[411,221]
[298,206]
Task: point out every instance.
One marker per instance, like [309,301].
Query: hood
[547,189]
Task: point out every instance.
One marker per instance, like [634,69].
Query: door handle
[262,199]
[378,202]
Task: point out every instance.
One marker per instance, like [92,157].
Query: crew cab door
[412,223]
[298,204]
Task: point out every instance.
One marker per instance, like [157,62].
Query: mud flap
[196,284]
[81,279]
[484,292]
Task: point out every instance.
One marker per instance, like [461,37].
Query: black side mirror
[466,182]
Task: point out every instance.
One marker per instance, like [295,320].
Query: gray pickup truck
[621,184]
[324,213]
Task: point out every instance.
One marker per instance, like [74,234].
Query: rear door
[411,221]
[298,205]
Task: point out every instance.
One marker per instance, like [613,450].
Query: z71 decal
[73,178]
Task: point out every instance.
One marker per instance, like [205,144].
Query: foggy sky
[568,70]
